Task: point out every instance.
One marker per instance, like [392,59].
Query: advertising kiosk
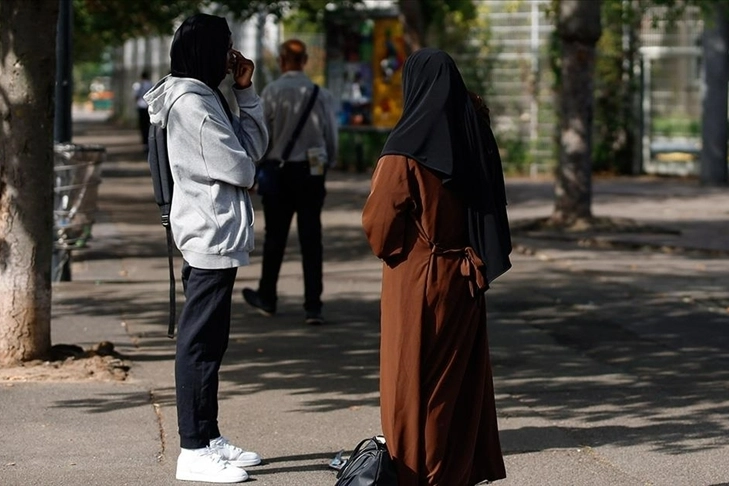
[365,53]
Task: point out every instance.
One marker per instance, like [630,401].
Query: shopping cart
[77,171]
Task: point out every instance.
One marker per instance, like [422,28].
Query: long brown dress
[437,399]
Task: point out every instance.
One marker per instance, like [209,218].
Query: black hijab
[441,129]
[200,51]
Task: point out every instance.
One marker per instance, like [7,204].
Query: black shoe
[254,300]
[314,318]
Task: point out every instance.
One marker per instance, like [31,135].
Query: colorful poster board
[365,54]
[387,61]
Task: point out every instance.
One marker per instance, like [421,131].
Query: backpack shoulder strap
[173,301]
[159,165]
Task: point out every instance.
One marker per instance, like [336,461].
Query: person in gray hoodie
[212,159]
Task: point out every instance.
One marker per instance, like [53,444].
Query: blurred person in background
[300,164]
[140,88]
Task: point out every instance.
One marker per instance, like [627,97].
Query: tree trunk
[579,30]
[411,14]
[714,118]
[27,74]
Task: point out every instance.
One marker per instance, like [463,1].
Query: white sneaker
[206,465]
[234,455]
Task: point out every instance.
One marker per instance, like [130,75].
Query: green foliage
[360,151]
[554,49]
[313,9]
[436,13]
[469,40]
[675,8]
[515,153]
[99,24]
[676,126]
[83,74]
[616,87]
[301,22]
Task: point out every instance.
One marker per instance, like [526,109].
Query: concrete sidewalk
[610,351]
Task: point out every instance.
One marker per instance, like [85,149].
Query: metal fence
[518,83]
[519,87]
[509,65]
[671,92]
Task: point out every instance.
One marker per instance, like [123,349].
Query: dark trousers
[202,339]
[303,194]
[143,116]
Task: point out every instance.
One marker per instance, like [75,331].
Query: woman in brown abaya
[436,216]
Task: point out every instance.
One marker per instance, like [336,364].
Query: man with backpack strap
[303,147]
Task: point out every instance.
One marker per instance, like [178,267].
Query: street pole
[61,260]
[259,73]
[64,77]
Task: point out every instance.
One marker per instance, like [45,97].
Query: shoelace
[223,442]
[214,456]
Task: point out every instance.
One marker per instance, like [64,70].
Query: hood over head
[200,49]
[168,90]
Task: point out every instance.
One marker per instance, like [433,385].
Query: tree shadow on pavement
[602,358]
[611,362]
[622,368]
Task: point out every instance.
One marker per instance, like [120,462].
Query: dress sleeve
[386,212]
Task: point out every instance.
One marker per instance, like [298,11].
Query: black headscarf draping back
[200,51]
[442,131]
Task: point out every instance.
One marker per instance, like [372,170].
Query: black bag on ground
[159,167]
[369,465]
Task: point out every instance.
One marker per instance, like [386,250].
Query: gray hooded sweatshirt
[212,164]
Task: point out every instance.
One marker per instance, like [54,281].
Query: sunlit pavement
[610,351]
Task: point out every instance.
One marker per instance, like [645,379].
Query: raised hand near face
[241,68]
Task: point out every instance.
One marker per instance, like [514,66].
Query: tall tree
[27,73]
[579,29]
[715,44]
[713,166]
[27,81]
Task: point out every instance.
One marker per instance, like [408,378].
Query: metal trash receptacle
[77,175]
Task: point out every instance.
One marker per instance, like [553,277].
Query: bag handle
[297,131]
[380,446]
[349,459]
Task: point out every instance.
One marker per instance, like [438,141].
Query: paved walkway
[610,352]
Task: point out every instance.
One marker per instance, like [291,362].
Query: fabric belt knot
[471,265]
